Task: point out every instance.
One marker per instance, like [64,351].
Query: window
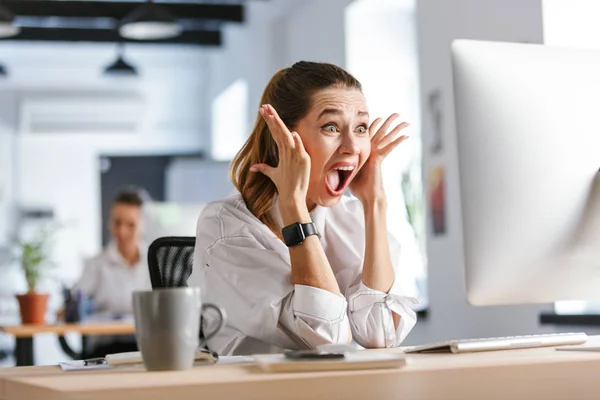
[229,121]
[381,51]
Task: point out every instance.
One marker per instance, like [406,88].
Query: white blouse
[110,281]
[244,268]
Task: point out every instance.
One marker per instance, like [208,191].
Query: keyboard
[501,343]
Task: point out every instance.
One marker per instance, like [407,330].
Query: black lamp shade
[120,67]
[150,21]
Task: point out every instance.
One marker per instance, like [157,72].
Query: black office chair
[170,260]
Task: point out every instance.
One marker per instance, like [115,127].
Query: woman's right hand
[292,174]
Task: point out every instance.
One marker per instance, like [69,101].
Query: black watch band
[295,234]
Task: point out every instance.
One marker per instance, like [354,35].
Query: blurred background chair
[170,260]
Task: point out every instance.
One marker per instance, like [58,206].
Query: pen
[94,361]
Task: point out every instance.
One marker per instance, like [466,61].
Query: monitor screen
[528,142]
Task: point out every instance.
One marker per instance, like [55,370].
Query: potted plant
[34,258]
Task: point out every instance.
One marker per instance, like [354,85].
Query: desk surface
[542,373]
[109,328]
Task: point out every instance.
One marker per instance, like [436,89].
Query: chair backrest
[170,260]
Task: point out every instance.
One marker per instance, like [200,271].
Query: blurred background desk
[24,335]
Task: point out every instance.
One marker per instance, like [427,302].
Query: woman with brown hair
[293,261]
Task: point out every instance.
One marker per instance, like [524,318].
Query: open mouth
[338,179]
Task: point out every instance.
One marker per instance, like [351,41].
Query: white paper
[79,365]
[235,360]
[135,357]
[131,357]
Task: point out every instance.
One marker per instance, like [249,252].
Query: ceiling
[98,20]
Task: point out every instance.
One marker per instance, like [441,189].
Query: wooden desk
[24,335]
[529,374]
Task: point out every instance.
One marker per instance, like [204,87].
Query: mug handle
[222,319]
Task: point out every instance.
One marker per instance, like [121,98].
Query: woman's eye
[361,129]
[330,128]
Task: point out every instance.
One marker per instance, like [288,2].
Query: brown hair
[290,92]
[130,196]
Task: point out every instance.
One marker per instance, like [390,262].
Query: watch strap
[296,233]
[309,229]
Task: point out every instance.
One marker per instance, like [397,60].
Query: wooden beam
[118,10]
[204,38]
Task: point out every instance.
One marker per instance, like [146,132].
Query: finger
[387,139]
[263,169]
[298,145]
[373,126]
[264,112]
[278,124]
[383,130]
[388,149]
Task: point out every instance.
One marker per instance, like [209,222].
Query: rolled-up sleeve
[371,316]
[253,285]
[370,311]
[320,317]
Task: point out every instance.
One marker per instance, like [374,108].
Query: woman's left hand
[367,186]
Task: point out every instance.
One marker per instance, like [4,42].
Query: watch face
[293,234]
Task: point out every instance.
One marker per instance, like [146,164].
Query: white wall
[8,115]
[311,30]
[6,182]
[438,23]
[190,180]
[572,23]
[246,57]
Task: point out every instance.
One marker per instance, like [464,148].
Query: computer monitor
[528,138]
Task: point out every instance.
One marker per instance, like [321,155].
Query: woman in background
[110,278]
[294,262]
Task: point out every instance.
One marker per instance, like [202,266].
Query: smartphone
[313,355]
[94,361]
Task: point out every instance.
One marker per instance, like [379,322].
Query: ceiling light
[120,67]
[7,28]
[150,21]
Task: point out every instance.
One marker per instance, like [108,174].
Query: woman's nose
[349,145]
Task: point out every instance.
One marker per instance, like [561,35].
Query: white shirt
[111,281]
[243,267]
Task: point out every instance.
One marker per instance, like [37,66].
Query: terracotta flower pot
[33,307]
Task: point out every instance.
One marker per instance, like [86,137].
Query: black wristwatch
[295,234]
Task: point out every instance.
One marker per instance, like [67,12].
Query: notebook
[363,359]
[133,360]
